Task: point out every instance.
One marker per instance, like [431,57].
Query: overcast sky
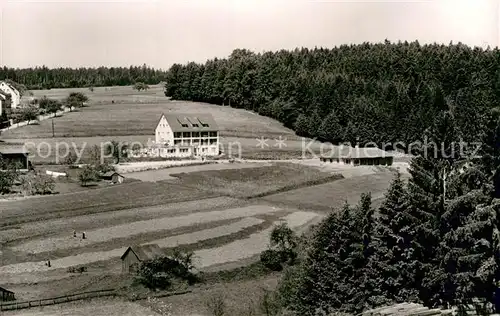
[160,33]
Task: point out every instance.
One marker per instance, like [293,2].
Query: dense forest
[382,93]
[434,240]
[45,78]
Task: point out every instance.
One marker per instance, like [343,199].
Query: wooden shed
[15,153]
[6,295]
[112,176]
[134,255]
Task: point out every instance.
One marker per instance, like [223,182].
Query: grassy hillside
[137,113]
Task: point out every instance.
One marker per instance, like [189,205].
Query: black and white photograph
[249,158]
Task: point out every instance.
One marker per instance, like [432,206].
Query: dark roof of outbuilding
[13,148]
[144,252]
[194,122]
[5,290]
[110,174]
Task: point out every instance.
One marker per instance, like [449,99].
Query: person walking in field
[74,233]
[83,235]
[48,263]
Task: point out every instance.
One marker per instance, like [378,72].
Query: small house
[6,295]
[15,153]
[356,156]
[9,89]
[134,255]
[113,176]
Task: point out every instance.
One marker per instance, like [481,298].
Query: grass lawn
[137,113]
[250,182]
[328,196]
[133,118]
[117,197]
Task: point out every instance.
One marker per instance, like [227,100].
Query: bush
[77,270]
[39,184]
[70,159]
[283,242]
[272,259]
[216,304]
[159,273]
[88,174]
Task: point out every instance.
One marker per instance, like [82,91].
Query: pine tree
[327,268]
[392,258]
[330,129]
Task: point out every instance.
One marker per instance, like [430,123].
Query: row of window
[195,142]
[184,150]
[194,134]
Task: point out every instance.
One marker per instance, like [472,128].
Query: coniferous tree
[330,129]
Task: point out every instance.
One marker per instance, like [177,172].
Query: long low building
[356,156]
[184,135]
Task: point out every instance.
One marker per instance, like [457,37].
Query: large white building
[14,94]
[183,135]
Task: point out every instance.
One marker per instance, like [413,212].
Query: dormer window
[195,125]
[205,125]
[185,125]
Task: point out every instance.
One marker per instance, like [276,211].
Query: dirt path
[140,227]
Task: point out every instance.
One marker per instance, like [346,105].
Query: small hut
[134,255]
[113,176]
[6,295]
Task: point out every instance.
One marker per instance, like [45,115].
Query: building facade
[355,156]
[5,103]
[184,135]
[14,94]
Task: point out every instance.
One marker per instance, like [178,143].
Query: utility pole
[52,128]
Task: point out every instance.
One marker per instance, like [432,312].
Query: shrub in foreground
[161,272]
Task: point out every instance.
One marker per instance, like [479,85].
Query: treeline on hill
[45,78]
[368,93]
[435,239]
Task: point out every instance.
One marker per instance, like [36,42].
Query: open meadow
[325,197]
[223,212]
[258,181]
[198,208]
[133,117]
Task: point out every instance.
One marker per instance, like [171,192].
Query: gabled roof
[347,152]
[192,122]
[11,87]
[110,174]
[5,290]
[144,252]
[13,148]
